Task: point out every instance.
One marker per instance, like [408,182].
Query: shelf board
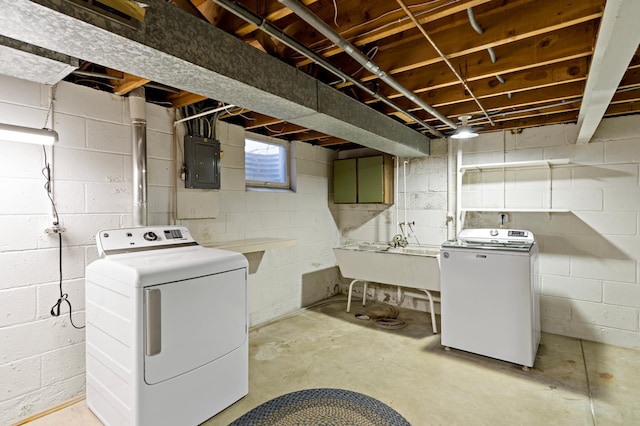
[514,164]
[479,209]
[253,245]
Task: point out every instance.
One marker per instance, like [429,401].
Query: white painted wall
[42,358]
[589,256]
[286,278]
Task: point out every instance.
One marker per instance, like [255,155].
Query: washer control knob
[150,236]
[493,232]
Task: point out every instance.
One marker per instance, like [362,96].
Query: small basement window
[266,162]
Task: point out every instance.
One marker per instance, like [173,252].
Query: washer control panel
[126,240]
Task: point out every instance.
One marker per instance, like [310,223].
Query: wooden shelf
[515,164]
[253,245]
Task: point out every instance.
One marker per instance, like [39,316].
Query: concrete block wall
[42,357]
[286,278]
[589,267]
[425,200]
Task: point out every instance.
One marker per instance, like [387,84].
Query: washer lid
[496,236]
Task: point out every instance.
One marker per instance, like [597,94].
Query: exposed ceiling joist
[618,40]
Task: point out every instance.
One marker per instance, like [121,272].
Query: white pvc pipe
[404,183]
[451,199]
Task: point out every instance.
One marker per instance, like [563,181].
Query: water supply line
[444,58]
[451,185]
[317,23]
[273,31]
[138,116]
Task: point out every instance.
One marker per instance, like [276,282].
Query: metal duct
[270,29]
[317,23]
[139,154]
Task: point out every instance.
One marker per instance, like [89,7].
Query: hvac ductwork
[317,23]
[138,116]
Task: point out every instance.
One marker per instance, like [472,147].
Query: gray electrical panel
[202,163]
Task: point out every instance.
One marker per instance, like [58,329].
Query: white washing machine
[490,294]
[167,328]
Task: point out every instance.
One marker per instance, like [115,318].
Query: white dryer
[167,328]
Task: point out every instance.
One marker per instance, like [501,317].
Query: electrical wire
[46,172]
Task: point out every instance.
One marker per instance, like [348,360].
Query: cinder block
[572,288]
[604,269]
[159,145]
[159,172]
[18,233]
[232,179]
[605,315]
[69,197]
[63,364]
[160,119]
[160,199]
[21,160]
[19,377]
[622,199]
[72,132]
[607,222]
[17,306]
[578,199]
[617,128]
[232,157]
[109,197]
[21,92]
[54,333]
[591,153]
[622,294]
[48,295]
[20,196]
[105,136]
[617,176]
[80,229]
[40,266]
[89,166]
[82,101]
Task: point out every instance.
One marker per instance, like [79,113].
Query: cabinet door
[344,181]
[370,179]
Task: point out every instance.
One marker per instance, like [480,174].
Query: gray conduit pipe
[138,116]
[307,16]
[479,30]
[446,60]
[270,29]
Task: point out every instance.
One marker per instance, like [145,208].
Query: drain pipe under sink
[138,117]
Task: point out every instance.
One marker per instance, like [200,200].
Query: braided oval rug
[326,407]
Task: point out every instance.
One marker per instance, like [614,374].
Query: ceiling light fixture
[11,133]
[464,131]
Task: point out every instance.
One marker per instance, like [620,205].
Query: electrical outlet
[55,229]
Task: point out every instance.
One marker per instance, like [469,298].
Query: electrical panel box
[202,163]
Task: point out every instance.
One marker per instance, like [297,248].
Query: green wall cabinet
[363,180]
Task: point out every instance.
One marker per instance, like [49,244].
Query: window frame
[287,162]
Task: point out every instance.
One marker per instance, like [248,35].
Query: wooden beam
[557,47]
[461,41]
[393,22]
[275,11]
[128,83]
[184,98]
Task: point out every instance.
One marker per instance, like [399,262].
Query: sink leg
[434,326]
[364,294]
[350,289]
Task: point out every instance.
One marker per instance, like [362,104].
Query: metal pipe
[270,29]
[97,75]
[307,16]
[444,58]
[492,55]
[473,22]
[139,155]
[500,79]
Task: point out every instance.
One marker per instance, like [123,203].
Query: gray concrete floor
[573,382]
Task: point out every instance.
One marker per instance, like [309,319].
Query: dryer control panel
[127,240]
